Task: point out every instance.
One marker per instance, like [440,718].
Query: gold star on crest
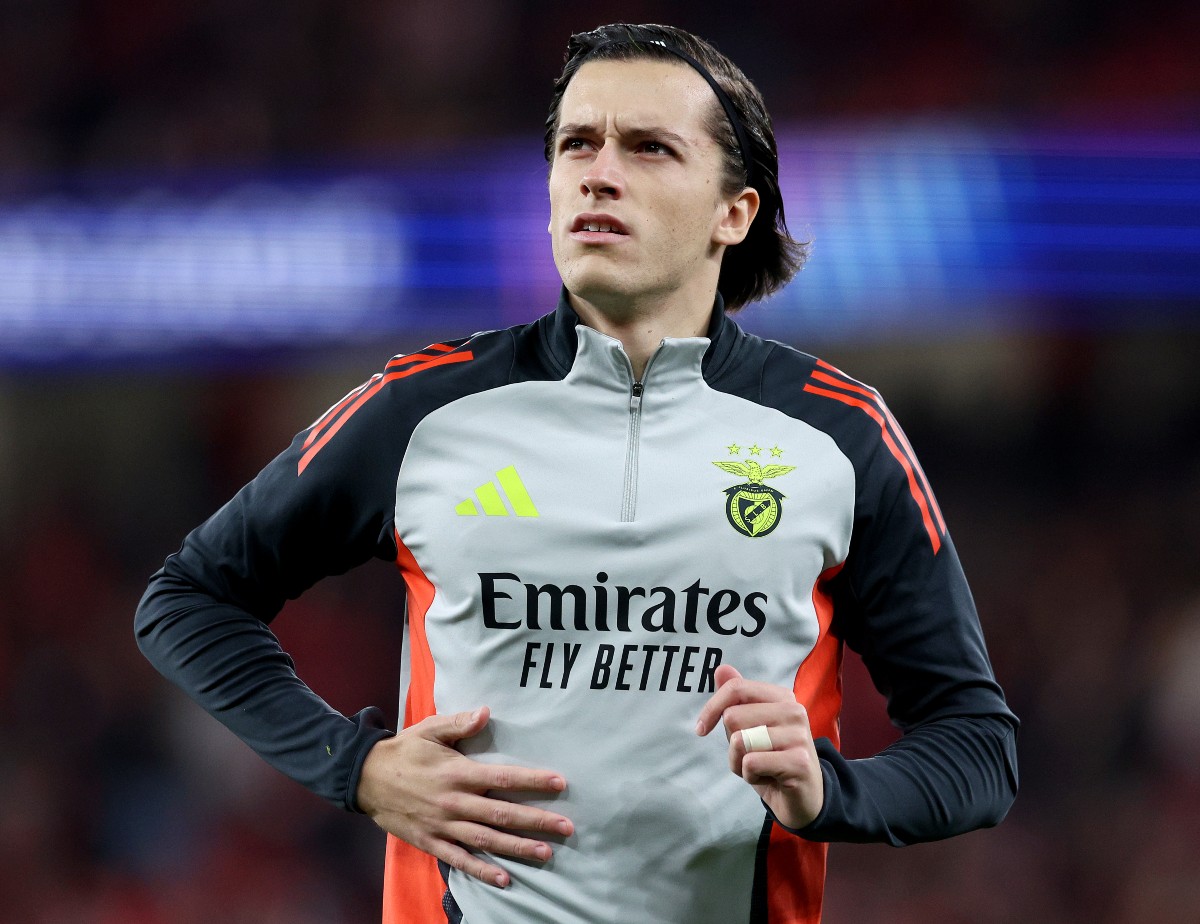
[776,452]
[734,449]
[755,450]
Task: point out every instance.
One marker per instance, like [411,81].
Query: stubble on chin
[598,282]
[617,293]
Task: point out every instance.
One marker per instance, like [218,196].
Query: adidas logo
[491,499]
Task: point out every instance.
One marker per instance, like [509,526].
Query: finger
[711,711]
[790,782]
[505,778]
[757,738]
[501,843]
[466,862]
[738,691]
[784,736]
[450,729]
[774,715]
[784,768]
[497,813]
[738,749]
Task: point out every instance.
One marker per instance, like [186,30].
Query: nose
[604,178]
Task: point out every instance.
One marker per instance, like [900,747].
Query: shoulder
[808,388]
[780,376]
[450,368]
[851,413]
[386,407]
[817,389]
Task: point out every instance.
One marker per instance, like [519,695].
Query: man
[620,526]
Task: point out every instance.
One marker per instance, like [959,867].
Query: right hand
[419,788]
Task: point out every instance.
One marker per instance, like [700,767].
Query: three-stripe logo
[491,498]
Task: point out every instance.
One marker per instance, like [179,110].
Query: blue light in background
[913,230]
[256,260]
[903,227]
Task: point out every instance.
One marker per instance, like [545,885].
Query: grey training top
[581,552]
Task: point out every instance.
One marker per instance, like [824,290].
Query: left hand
[788,777]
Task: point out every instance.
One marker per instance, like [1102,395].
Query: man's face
[636,211]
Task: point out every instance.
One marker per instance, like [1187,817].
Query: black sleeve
[903,603]
[318,509]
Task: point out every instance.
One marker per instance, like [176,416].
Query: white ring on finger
[757,738]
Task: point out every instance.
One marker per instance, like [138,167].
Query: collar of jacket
[558,334]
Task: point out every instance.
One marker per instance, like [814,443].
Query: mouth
[597,228]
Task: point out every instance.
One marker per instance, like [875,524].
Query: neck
[642,328]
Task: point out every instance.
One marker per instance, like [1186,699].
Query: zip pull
[635,397]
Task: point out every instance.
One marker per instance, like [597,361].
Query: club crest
[754,509]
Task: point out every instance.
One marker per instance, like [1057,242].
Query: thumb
[448,729]
[725,673]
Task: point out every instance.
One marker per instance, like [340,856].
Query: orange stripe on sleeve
[412,884]
[898,454]
[411,358]
[369,394]
[849,384]
[937,511]
[321,421]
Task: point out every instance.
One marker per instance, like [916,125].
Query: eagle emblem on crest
[753,508]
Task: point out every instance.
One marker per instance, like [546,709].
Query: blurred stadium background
[217,217]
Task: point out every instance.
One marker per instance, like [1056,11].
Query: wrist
[370,775]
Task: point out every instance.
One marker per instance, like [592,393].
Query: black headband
[637,36]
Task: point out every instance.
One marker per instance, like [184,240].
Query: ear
[737,217]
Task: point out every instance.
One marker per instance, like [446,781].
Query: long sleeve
[204,619]
[943,778]
[902,602]
[955,767]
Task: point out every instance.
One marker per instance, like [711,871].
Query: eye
[569,144]
[655,147]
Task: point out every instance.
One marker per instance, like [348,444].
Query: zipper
[629,497]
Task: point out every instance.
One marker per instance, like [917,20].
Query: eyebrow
[637,132]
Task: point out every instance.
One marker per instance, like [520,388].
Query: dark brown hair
[768,257]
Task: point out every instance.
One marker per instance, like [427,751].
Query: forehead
[668,94]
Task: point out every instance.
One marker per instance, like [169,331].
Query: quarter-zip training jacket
[581,551]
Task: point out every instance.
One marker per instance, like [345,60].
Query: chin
[598,284]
